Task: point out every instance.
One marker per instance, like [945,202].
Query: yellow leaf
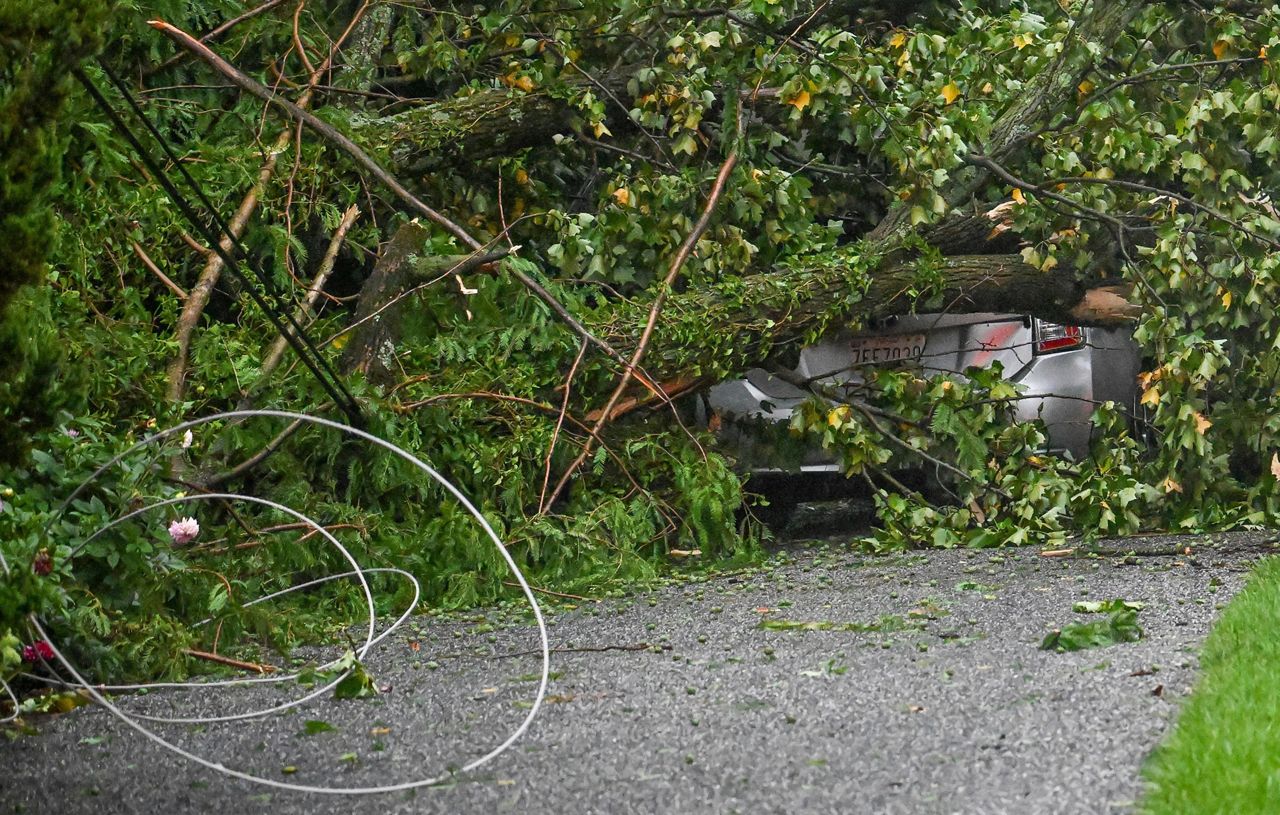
[950,92]
[1202,424]
[340,342]
[1085,87]
[898,39]
[1170,485]
[524,83]
[988,88]
[800,101]
[1023,40]
[1151,396]
[1018,196]
[1275,465]
[622,195]
[522,177]
[1219,48]
[601,130]
[1262,53]
[1226,297]
[69,701]
[838,415]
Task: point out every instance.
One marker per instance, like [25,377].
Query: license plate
[882,350]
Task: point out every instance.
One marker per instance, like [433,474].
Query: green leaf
[314,727]
[1119,627]
[358,684]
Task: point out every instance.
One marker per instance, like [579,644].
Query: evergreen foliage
[39,42]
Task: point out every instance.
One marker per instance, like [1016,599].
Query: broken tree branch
[555,435]
[229,662]
[215,34]
[363,159]
[193,307]
[324,129]
[155,270]
[677,263]
[313,295]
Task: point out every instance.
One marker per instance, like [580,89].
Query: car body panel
[1063,387]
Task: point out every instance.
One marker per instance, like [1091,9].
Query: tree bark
[360,61]
[485,124]
[766,313]
[372,347]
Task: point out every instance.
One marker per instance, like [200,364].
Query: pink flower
[37,651]
[184,531]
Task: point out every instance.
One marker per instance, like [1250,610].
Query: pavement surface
[926,693]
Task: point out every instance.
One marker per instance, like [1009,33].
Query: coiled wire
[372,638]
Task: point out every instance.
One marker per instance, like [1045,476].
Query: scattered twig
[1143,76]
[935,461]
[256,459]
[516,585]
[555,434]
[256,542]
[232,663]
[586,649]
[196,246]
[297,39]
[1134,186]
[622,151]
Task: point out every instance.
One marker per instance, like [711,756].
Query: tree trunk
[471,128]
[766,313]
[376,329]
[754,316]
[360,62]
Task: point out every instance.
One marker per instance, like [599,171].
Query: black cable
[318,366]
[168,151]
[236,245]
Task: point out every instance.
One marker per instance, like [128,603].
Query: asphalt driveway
[905,683]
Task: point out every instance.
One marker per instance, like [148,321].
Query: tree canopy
[528,234]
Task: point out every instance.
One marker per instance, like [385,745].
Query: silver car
[1065,371]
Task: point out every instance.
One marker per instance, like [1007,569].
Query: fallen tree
[572,215]
[957,228]
[812,293]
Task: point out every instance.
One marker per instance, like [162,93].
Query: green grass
[1224,754]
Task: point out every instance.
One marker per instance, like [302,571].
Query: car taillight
[1051,337]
